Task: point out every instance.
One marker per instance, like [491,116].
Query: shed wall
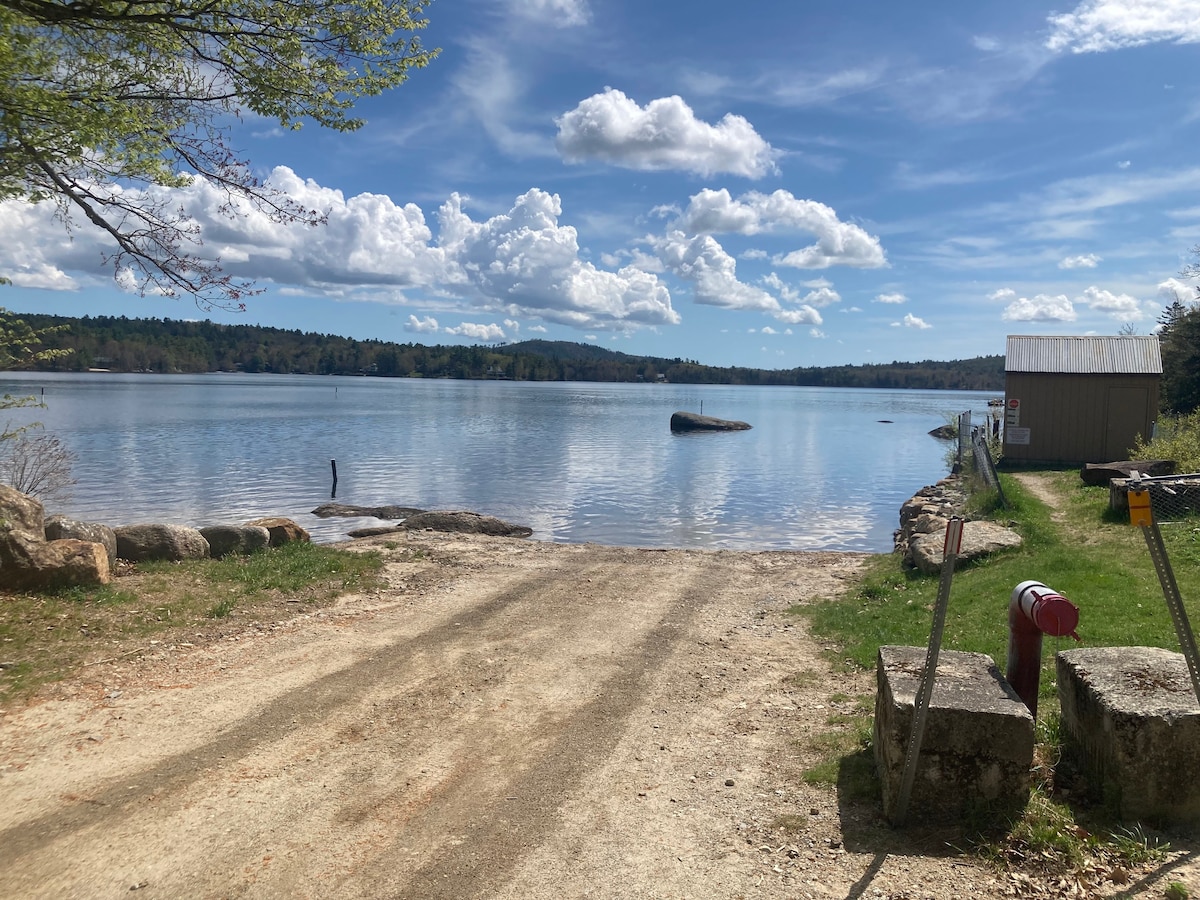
[1079,418]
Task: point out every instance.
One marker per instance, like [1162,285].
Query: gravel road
[505,719]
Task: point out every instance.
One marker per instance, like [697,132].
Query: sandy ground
[506,719]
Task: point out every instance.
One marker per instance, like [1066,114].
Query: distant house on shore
[1078,399]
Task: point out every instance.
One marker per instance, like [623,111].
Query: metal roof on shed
[1090,355]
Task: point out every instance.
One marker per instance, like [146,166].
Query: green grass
[1092,557]
[1100,564]
[46,637]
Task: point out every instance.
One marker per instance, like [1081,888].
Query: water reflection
[577,462]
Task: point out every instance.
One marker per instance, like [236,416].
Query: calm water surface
[575,461]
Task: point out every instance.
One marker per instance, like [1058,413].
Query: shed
[1079,399]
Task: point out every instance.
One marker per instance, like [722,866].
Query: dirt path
[506,719]
[1042,487]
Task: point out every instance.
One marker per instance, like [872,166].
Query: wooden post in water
[333,465]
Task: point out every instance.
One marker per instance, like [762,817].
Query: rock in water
[686,421]
[328,510]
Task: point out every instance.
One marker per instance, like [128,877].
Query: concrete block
[1131,725]
[978,744]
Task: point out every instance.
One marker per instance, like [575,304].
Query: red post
[1034,610]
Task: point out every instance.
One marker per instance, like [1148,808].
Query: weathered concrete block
[1131,723]
[978,744]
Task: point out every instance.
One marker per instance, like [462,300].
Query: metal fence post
[1141,515]
[925,690]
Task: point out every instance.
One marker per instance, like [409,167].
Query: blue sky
[769,184]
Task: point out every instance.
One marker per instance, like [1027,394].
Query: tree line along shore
[121,344]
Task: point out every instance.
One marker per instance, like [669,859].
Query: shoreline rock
[922,533]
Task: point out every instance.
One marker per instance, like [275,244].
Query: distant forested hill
[120,344]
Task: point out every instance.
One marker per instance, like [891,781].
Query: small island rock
[686,421]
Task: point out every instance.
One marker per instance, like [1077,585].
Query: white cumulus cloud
[1042,308]
[1085,261]
[1173,289]
[838,243]
[1095,26]
[478,332]
[891,298]
[1119,306]
[521,263]
[911,321]
[701,260]
[425,325]
[526,261]
[665,134]
[704,262]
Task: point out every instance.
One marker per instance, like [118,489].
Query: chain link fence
[1174,499]
[1175,505]
[975,456]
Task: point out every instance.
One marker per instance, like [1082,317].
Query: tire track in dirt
[525,785]
[533,616]
[306,705]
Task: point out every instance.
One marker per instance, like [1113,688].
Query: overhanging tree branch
[105,102]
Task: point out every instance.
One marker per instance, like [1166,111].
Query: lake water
[574,461]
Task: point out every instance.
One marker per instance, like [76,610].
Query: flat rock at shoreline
[331,510]
[465,522]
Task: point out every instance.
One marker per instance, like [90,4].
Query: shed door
[1126,420]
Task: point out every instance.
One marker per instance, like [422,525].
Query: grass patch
[1048,840]
[1099,564]
[1092,557]
[845,758]
[46,637]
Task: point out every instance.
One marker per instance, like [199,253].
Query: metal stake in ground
[1140,514]
[921,705]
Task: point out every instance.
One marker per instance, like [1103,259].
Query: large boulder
[37,565]
[60,528]
[283,531]
[144,543]
[686,421]
[228,540]
[464,522]
[978,539]
[21,515]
